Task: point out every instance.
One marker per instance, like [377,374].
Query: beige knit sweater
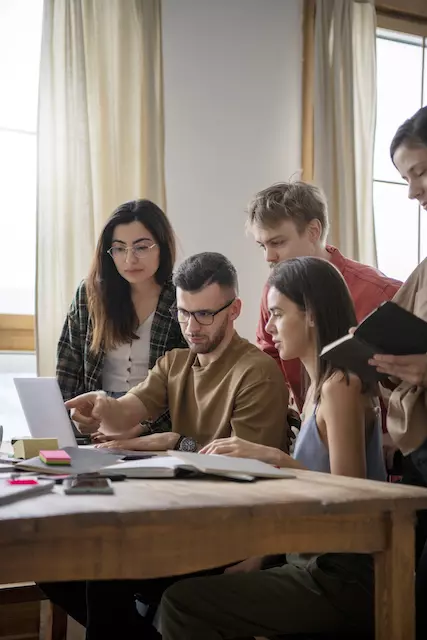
[407,405]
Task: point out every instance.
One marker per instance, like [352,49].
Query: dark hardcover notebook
[389,329]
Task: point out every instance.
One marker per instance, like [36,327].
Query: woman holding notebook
[407,388]
[309,307]
[407,413]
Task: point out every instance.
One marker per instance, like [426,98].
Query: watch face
[188,444]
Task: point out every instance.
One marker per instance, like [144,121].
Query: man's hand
[411,369]
[87,429]
[95,411]
[154,442]
[89,410]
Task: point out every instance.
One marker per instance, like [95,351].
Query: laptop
[47,417]
[44,410]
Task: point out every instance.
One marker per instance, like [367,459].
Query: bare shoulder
[341,388]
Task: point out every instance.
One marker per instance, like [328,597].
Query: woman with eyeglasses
[119,323]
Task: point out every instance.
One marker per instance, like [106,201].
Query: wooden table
[179,526]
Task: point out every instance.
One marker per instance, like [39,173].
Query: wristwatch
[185,444]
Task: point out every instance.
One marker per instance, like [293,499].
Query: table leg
[395,581]
[53,622]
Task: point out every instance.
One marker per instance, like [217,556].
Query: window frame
[403,25]
[411,27]
[17,332]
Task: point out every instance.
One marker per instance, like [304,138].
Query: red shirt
[368,288]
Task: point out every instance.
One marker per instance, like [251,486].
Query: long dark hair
[316,286]
[412,133]
[111,309]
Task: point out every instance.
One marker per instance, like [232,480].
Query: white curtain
[100,139]
[344,121]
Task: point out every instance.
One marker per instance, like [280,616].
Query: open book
[182,464]
[390,329]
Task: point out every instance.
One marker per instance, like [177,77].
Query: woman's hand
[411,369]
[238,448]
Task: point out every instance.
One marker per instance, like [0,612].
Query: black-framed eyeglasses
[203,316]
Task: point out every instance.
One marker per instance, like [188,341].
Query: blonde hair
[297,201]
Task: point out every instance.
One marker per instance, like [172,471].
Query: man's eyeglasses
[203,317]
[139,251]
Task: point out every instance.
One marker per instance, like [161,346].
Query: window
[400,224]
[20,40]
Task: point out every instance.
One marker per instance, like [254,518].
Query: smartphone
[88,484]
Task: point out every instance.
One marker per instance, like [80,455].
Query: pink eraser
[55,457]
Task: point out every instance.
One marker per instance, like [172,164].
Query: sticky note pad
[30,447]
[55,457]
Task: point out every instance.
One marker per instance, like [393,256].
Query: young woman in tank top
[310,307]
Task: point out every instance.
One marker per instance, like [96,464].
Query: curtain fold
[100,139]
[344,121]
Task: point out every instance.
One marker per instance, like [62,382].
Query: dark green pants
[331,594]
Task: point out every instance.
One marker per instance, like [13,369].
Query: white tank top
[127,365]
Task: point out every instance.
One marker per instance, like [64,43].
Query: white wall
[232,75]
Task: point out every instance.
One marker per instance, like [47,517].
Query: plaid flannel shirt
[79,370]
